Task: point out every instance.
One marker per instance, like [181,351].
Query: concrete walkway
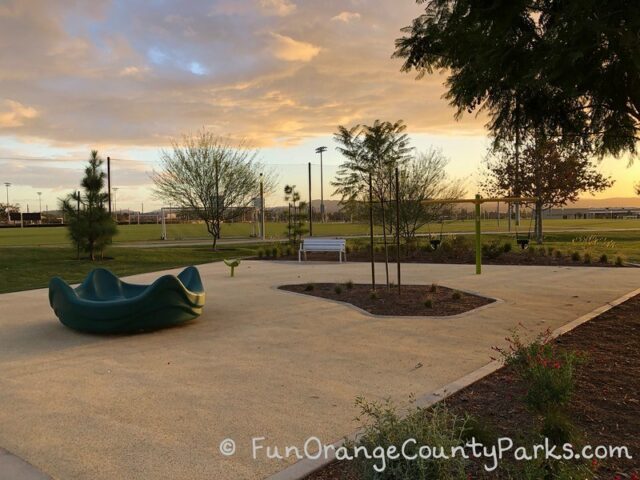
[258,363]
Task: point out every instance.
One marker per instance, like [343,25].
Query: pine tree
[90,225]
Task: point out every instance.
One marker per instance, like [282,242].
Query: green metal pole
[478,237]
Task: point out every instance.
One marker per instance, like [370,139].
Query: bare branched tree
[212,176]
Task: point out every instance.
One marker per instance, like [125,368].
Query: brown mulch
[413,300]
[515,257]
[605,406]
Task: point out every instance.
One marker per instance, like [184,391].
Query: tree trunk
[384,241]
[538,213]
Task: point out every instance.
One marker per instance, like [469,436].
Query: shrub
[267,253]
[337,289]
[604,258]
[428,303]
[550,251]
[349,284]
[542,251]
[492,250]
[586,258]
[558,254]
[575,256]
[373,295]
[289,250]
[506,248]
[456,296]
[546,371]
[619,262]
[275,252]
[260,253]
[309,287]
[384,426]
[433,288]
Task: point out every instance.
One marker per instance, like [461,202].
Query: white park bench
[323,245]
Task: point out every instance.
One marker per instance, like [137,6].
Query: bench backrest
[324,244]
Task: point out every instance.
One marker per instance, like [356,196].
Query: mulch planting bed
[415,300]
[605,405]
[515,257]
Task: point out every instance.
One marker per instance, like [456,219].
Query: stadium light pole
[7,184]
[109,182]
[321,150]
[115,201]
[40,201]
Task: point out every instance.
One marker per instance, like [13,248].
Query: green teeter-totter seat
[105,304]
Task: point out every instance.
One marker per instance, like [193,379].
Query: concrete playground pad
[258,363]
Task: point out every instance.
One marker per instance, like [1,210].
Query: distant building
[591,213]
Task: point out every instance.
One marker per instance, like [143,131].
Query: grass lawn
[28,268]
[147,233]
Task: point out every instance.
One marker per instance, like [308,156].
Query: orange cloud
[16,114]
[286,48]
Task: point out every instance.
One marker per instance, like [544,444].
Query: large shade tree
[556,173]
[371,152]
[568,67]
[90,225]
[210,175]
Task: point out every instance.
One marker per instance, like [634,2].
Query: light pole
[7,184]
[40,201]
[321,150]
[115,202]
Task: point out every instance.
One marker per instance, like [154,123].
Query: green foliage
[296,215]
[373,295]
[619,262]
[433,288]
[337,289]
[586,258]
[558,254]
[560,66]
[548,374]
[575,256]
[604,258]
[90,227]
[506,248]
[309,287]
[550,251]
[275,252]
[456,296]
[428,303]
[349,284]
[384,426]
[260,252]
[493,249]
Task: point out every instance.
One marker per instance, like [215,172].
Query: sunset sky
[125,77]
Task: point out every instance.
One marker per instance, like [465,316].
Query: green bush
[586,258]
[619,262]
[373,295]
[309,287]
[349,284]
[428,303]
[558,254]
[492,250]
[433,288]
[383,427]
[289,250]
[275,252]
[604,258]
[456,296]
[506,248]
[575,256]
[337,289]
[550,251]
[260,253]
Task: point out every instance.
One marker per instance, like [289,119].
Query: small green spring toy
[232,264]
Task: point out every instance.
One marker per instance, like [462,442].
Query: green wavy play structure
[105,304]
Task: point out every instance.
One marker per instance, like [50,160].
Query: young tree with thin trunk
[215,178]
[371,149]
[91,228]
[423,177]
[553,172]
